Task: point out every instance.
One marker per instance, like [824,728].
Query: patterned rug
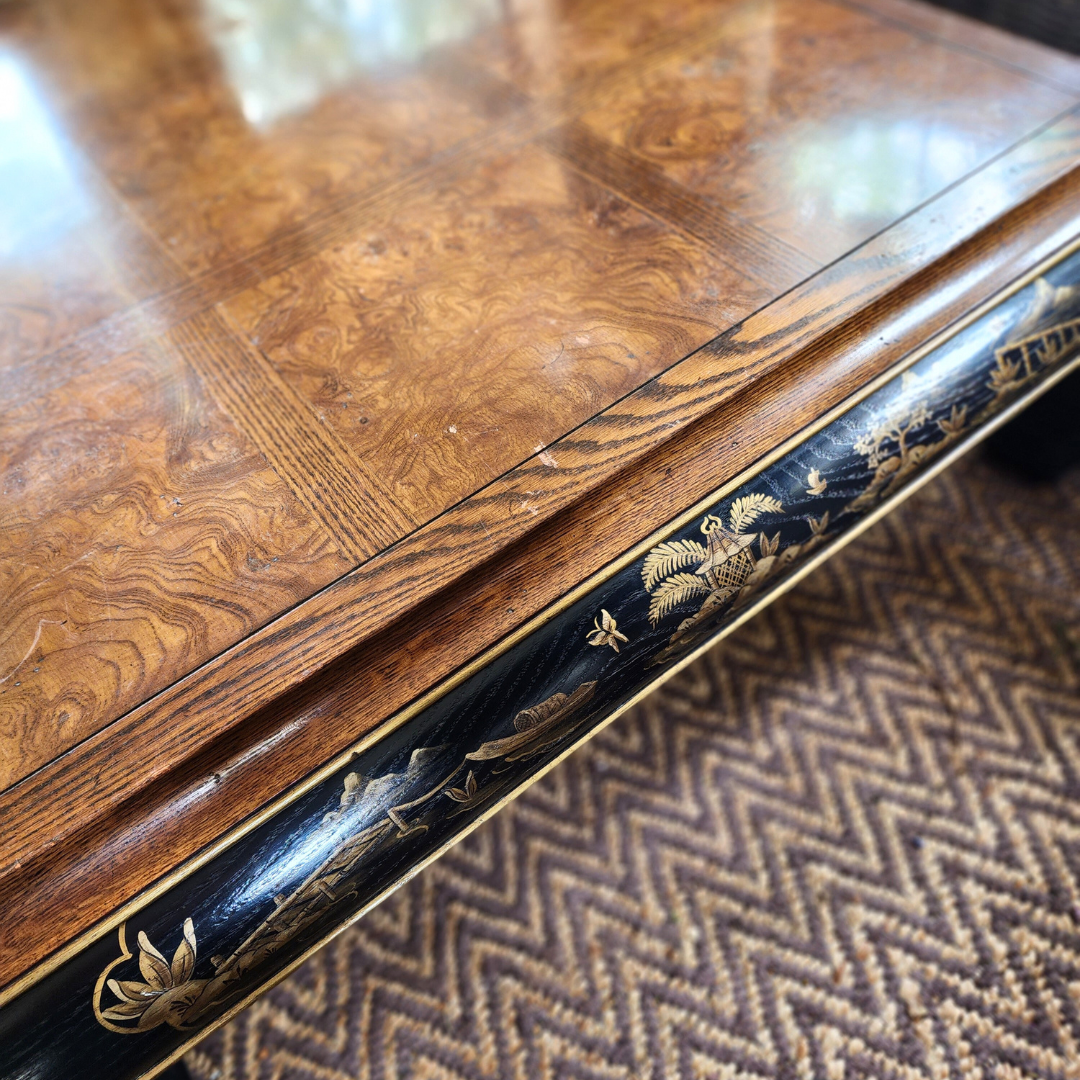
[845,843]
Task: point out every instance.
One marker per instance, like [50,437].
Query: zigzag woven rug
[845,843]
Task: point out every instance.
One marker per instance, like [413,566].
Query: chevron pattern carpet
[845,843]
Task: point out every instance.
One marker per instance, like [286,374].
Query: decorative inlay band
[196,952]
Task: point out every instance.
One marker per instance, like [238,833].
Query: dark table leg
[1044,440]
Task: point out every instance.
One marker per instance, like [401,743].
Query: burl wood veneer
[329,356]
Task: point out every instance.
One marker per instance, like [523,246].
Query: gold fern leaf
[666,558]
[673,591]
[745,511]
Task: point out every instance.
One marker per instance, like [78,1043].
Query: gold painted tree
[720,566]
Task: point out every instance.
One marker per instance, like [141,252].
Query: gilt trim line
[188,958]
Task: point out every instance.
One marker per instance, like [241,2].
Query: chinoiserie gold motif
[720,567]
[1033,348]
[606,631]
[726,574]
[538,728]
[894,457]
[172,995]
[815,483]
[725,571]
[166,994]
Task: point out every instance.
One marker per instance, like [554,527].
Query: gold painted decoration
[740,547]
[815,483]
[898,443]
[1021,361]
[539,727]
[677,572]
[606,631]
[171,995]
[163,998]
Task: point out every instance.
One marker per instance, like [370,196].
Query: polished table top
[287,289]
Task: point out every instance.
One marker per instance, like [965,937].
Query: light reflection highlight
[875,168]
[281,56]
[40,198]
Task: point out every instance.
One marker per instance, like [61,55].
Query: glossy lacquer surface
[180,961]
[281,282]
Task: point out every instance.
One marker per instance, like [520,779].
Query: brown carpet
[845,843]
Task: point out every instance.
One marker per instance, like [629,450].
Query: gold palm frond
[745,511]
[667,558]
[675,590]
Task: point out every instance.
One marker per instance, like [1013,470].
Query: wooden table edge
[345,611]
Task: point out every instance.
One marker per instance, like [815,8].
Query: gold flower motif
[168,991]
[606,632]
[956,422]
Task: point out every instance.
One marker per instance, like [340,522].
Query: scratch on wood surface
[546,456]
[33,645]
[105,588]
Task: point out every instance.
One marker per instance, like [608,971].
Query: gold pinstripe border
[50,963]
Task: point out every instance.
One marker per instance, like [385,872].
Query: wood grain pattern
[739,243]
[1034,60]
[73,255]
[128,328]
[717,121]
[333,215]
[570,52]
[274,893]
[429,345]
[375,198]
[142,533]
[337,489]
[573,234]
[376,813]
[157,96]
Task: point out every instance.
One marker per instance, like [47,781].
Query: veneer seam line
[745,233]
[537,117]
